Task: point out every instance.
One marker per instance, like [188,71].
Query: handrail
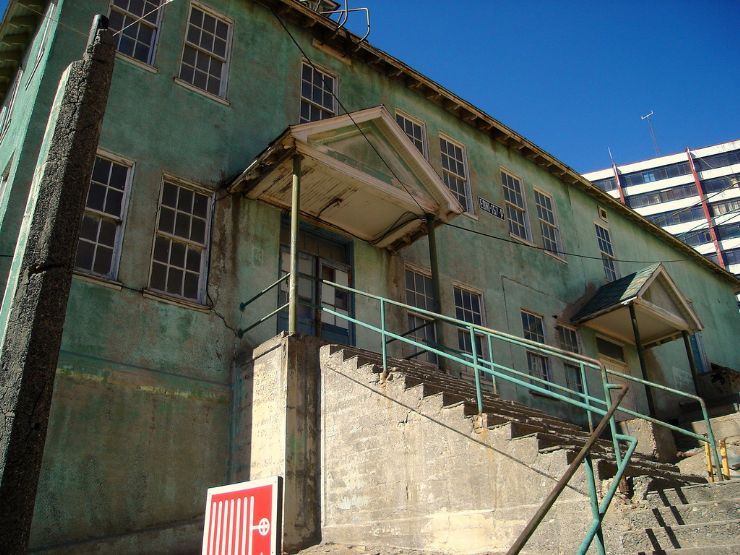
[563,482]
[241,331]
[576,358]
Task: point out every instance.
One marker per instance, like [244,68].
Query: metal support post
[436,289]
[641,356]
[295,207]
[690,355]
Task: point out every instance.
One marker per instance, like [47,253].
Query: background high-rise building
[694,195]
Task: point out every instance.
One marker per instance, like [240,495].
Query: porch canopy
[661,313]
[345,183]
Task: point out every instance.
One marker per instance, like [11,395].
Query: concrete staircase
[687,520]
[451,466]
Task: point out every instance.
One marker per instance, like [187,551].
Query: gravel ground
[336,549]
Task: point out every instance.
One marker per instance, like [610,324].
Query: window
[548,225]
[469,308]
[534,330]
[101,230]
[607,253]
[454,172]
[42,46]
[656,174]
[516,208]
[139,20]
[718,184]
[610,349]
[7,112]
[414,130]
[206,52]
[179,257]
[568,341]
[732,256]
[725,207]
[717,160]
[420,295]
[674,217]
[318,90]
[664,195]
[608,184]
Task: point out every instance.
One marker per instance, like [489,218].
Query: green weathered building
[187,218]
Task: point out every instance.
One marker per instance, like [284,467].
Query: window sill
[522,241]
[176,301]
[97,280]
[212,96]
[471,215]
[137,63]
[556,257]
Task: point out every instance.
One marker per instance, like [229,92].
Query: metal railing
[485,364]
[584,400]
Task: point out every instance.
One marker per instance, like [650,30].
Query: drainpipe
[293,279]
[692,362]
[705,208]
[641,355]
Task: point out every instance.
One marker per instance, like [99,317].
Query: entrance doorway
[321,256]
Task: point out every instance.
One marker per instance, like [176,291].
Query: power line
[577,255]
[135,21]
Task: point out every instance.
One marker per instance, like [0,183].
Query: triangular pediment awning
[661,310]
[360,173]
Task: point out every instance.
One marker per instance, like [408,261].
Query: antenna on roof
[652,131]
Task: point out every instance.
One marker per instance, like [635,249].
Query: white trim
[49,16]
[470,208]
[193,88]
[553,209]
[423,125]
[137,63]
[96,279]
[223,89]
[335,90]
[205,254]
[156,26]
[527,223]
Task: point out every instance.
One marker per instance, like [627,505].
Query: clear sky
[575,76]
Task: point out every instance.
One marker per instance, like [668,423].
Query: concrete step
[694,513]
[694,494]
[733,549]
[704,535]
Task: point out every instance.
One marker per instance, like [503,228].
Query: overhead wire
[341,104]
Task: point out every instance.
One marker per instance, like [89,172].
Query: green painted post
[436,290]
[588,466]
[478,395]
[294,210]
[490,357]
[382,335]
[641,356]
[585,399]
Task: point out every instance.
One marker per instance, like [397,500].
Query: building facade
[695,195]
[212,103]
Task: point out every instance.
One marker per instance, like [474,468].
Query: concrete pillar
[35,302]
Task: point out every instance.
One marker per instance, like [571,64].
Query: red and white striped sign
[243,519]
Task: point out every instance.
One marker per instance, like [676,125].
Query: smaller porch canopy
[359,173]
[661,312]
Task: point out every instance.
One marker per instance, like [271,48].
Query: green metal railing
[584,400]
[241,331]
[485,364]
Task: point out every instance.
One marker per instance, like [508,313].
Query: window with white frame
[7,112]
[568,341]
[318,90]
[516,207]
[455,173]
[205,56]
[414,130]
[548,223]
[101,229]
[607,252]
[534,330]
[469,308]
[179,256]
[135,24]
[419,294]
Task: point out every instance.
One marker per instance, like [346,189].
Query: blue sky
[575,76]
